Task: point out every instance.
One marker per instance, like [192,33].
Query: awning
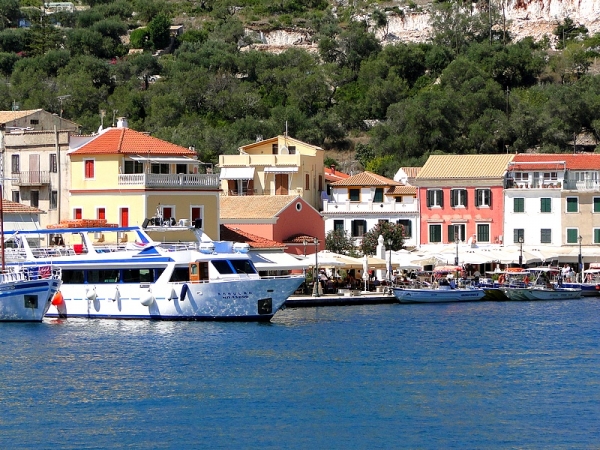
[281,169]
[276,261]
[165,159]
[237,173]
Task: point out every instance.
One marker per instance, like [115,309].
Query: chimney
[121,122]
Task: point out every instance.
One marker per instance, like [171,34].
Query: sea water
[468,375]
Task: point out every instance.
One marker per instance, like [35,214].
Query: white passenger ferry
[144,279]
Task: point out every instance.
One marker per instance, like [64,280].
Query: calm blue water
[482,375]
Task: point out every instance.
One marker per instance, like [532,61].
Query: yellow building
[276,166]
[126,177]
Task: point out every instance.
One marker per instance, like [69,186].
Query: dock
[360,298]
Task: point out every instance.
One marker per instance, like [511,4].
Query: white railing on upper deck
[178,180]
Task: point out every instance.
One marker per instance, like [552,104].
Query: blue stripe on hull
[253,318]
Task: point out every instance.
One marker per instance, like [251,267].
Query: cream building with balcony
[126,177]
[33,167]
[276,166]
[359,202]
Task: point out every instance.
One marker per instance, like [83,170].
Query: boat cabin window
[72,276]
[179,274]
[103,276]
[137,275]
[243,266]
[222,266]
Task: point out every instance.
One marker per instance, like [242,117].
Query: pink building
[462,197]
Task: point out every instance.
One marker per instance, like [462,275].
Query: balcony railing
[170,181]
[587,185]
[31,178]
[348,206]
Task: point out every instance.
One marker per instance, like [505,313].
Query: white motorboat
[440,294]
[144,279]
[26,293]
[543,287]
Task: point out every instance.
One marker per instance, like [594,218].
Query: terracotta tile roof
[128,141]
[402,190]
[7,116]
[465,166]
[411,172]
[299,239]
[366,179]
[254,206]
[555,161]
[10,207]
[231,233]
[333,175]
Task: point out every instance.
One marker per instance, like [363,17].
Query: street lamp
[580,258]
[456,240]
[521,251]
[316,283]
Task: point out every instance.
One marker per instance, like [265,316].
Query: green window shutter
[519,205]
[572,236]
[572,204]
[545,205]
[597,204]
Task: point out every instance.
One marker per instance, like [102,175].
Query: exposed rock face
[534,18]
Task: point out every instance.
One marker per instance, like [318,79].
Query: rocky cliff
[534,18]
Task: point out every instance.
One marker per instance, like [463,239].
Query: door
[281,184]
[124,213]
[34,169]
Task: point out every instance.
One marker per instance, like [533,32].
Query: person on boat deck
[543,279]
[452,282]
[526,280]
[501,279]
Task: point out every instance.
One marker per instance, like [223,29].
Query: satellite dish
[284,151]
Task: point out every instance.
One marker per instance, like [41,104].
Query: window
[518,205]
[354,195]
[275,149]
[546,236]
[483,197]
[338,225]
[134,167]
[597,204]
[458,198]
[292,149]
[407,227]
[35,199]
[572,235]
[435,233]
[14,164]
[378,198]
[307,182]
[521,176]
[16,196]
[53,163]
[181,168]
[545,205]
[483,232]
[596,232]
[53,199]
[550,176]
[456,231]
[77,213]
[159,168]
[34,122]
[572,204]
[435,199]
[89,168]
[518,235]
[101,213]
[197,214]
[359,227]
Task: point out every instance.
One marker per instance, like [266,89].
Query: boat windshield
[234,266]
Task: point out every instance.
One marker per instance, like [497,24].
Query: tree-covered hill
[469,90]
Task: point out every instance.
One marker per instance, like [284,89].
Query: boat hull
[532,293]
[244,300]
[587,289]
[438,295]
[26,300]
